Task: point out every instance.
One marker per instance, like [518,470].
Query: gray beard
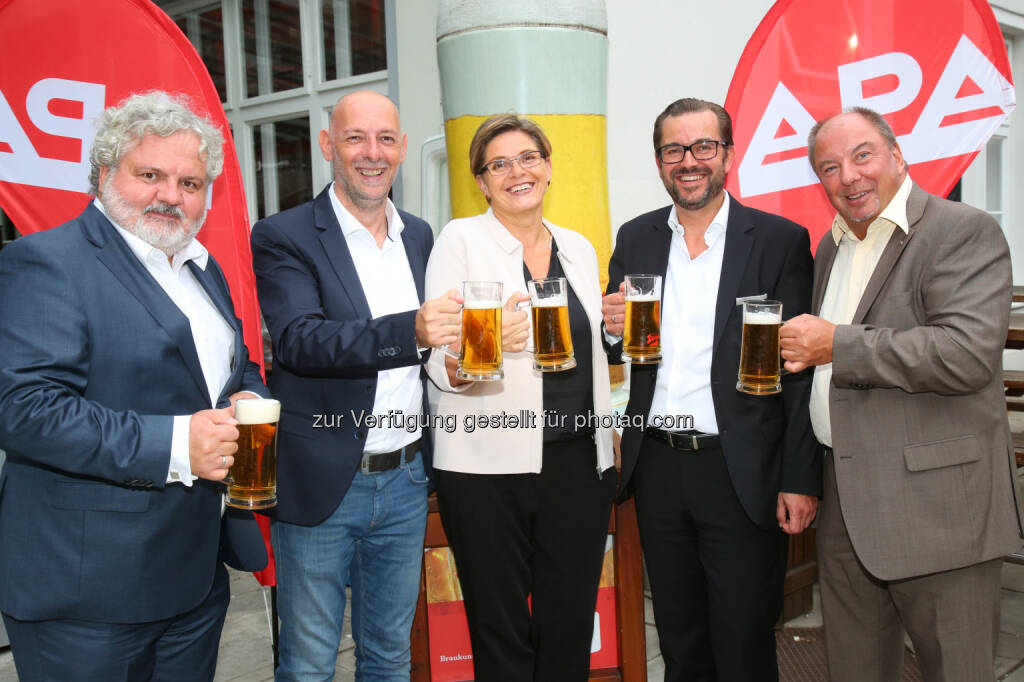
[170,240]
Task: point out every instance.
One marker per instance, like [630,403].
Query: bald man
[340,283]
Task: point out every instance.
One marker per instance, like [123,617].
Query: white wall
[654,61]
[419,89]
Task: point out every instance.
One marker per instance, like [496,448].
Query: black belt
[386,461]
[685,440]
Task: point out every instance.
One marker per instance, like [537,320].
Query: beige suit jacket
[923,456]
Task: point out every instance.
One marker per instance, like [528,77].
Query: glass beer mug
[760,372]
[641,338]
[480,353]
[552,342]
[252,479]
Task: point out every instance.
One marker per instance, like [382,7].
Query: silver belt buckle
[680,439]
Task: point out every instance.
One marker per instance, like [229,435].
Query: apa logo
[20,162]
[937,70]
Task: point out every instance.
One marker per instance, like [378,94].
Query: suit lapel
[739,239]
[336,249]
[823,261]
[114,253]
[413,251]
[221,297]
[661,243]
[213,289]
[891,255]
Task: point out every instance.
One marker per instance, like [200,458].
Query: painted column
[543,59]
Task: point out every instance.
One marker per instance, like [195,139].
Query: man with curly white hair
[123,359]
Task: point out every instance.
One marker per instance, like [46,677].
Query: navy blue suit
[715,556]
[333,521]
[327,350]
[97,360]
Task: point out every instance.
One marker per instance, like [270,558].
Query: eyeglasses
[702,150]
[525,160]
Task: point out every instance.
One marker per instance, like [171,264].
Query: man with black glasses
[712,499]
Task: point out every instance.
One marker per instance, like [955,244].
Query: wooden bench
[1018,448]
[1013,382]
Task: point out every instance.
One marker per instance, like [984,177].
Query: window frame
[314,99]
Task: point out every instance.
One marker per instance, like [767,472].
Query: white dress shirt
[387,282]
[853,266]
[688,304]
[213,336]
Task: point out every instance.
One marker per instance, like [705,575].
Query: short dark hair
[498,125]
[690,105]
[870,115]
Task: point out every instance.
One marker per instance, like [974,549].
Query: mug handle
[528,350]
[445,348]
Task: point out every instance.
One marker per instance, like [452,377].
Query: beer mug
[641,340]
[252,479]
[480,354]
[760,371]
[552,342]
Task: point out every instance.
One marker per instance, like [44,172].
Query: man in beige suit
[913,297]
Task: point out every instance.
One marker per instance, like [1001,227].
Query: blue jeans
[374,538]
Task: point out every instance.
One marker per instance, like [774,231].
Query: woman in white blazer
[525,506]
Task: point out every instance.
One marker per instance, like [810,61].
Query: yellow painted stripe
[578,195]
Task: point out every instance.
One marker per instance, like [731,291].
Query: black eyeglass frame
[660,151]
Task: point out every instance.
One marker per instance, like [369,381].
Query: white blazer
[481,248]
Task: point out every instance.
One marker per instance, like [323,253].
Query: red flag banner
[936,69]
[67,60]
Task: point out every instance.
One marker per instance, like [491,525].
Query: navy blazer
[328,349]
[768,442]
[97,360]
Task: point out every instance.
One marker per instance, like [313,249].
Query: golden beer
[552,341]
[759,353]
[641,342]
[253,477]
[480,358]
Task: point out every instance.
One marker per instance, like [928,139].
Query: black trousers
[530,535]
[716,577]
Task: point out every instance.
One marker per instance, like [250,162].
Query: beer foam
[643,297]
[481,305]
[551,302]
[762,317]
[257,410]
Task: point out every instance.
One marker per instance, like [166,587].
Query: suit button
[369,389]
[359,435]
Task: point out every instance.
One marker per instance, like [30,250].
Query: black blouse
[569,395]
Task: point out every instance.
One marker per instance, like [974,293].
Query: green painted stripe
[536,70]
